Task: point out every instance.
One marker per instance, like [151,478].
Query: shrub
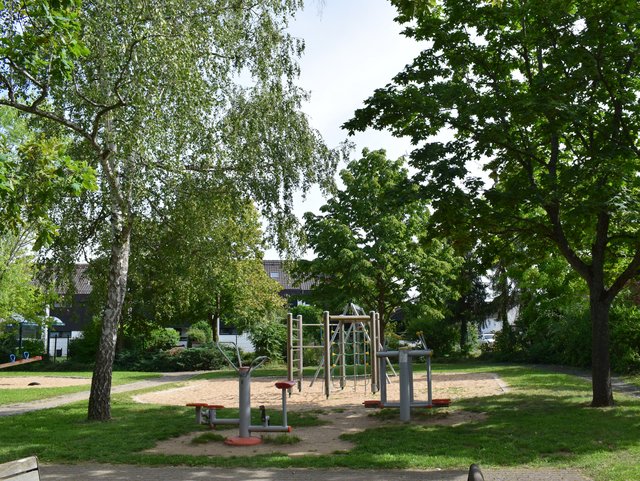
[205,327]
[83,349]
[162,338]
[191,359]
[440,335]
[269,338]
[35,347]
[196,335]
[625,337]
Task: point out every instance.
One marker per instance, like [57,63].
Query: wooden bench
[21,470]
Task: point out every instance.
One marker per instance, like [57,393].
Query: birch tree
[152,89]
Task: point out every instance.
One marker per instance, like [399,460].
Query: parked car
[487,339]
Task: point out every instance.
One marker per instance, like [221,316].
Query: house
[74,316]
[78,313]
[491,325]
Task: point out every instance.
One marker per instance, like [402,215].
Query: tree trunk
[464,334]
[600,362]
[100,397]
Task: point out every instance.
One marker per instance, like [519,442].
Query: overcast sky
[352,48]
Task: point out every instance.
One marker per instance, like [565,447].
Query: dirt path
[47,381]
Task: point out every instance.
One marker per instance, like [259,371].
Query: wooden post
[300,358]
[327,354]
[343,367]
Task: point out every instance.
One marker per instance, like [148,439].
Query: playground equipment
[25,360]
[243,421]
[407,397]
[355,337]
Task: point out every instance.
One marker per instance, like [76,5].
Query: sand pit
[35,382]
[343,411]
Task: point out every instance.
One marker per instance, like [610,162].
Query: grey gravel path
[175,473]
[13,409]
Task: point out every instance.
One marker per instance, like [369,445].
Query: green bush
[177,359]
[83,349]
[269,338]
[625,337]
[35,347]
[204,327]
[196,335]
[440,335]
[162,338]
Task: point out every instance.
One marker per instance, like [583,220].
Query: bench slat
[30,476]
[20,470]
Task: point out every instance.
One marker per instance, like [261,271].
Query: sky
[352,48]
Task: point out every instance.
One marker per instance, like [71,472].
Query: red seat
[285,384]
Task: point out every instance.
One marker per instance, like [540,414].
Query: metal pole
[405,394]
[284,408]
[373,345]
[382,366]
[410,379]
[244,408]
[327,354]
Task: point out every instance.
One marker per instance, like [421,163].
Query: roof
[276,270]
[81,279]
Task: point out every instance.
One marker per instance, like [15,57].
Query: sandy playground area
[36,382]
[343,411]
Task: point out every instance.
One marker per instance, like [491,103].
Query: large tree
[200,258]
[543,94]
[153,89]
[371,247]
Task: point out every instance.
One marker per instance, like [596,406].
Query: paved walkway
[174,473]
[13,409]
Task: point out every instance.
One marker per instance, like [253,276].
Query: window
[274,275]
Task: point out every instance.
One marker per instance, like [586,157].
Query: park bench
[21,470]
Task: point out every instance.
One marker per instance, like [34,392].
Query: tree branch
[30,109]
[559,237]
[630,272]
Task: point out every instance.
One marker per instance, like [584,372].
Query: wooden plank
[20,470]
[21,361]
[349,318]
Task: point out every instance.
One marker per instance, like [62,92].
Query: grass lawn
[12,396]
[543,421]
